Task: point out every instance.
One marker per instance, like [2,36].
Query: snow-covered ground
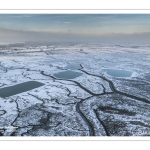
[93,104]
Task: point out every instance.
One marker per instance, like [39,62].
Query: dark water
[73,66]
[67,74]
[19,88]
[118,73]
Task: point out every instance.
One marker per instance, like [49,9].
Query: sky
[75,27]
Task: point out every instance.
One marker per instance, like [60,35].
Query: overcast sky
[75,27]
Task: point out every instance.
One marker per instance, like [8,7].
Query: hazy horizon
[111,28]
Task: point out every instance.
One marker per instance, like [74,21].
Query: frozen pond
[67,74]
[118,73]
[73,66]
[19,88]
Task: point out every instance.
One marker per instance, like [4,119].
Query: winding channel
[87,121]
[112,87]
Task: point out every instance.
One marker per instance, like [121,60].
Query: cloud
[27,15]
[67,22]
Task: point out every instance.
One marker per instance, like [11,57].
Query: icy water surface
[19,88]
[67,74]
[118,73]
